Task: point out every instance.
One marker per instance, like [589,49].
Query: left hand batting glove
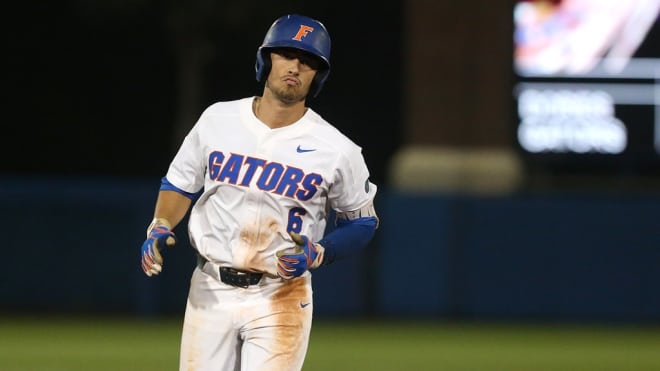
[306,255]
[159,235]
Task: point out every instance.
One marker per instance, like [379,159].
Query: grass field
[133,344]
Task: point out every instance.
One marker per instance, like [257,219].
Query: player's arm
[354,230]
[353,233]
[171,206]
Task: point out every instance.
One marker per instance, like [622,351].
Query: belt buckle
[245,277]
[238,279]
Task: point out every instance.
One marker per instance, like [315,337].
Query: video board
[587,84]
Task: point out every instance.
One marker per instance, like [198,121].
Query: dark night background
[97,89]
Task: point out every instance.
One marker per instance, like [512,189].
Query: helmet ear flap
[262,66]
[317,83]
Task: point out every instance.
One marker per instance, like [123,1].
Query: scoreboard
[587,84]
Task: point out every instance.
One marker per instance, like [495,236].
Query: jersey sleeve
[351,188]
[188,167]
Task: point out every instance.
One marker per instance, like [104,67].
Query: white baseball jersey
[259,183]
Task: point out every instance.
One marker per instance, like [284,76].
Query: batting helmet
[299,32]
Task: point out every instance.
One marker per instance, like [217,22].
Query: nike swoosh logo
[300,150]
[303,305]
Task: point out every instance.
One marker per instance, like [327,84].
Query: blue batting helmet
[299,32]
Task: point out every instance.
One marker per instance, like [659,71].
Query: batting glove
[159,235]
[305,255]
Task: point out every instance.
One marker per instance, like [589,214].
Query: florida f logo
[302,32]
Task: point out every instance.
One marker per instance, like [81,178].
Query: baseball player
[261,174]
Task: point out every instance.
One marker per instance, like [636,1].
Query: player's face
[291,75]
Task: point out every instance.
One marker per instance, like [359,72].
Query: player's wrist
[158,222]
[320,252]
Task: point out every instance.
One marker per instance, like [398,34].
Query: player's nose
[294,66]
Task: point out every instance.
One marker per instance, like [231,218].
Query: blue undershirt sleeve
[165,185]
[348,238]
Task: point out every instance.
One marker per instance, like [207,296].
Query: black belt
[237,278]
[234,277]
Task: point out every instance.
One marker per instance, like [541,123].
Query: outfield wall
[524,256]
[72,245]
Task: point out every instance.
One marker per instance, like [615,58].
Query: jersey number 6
[295,219]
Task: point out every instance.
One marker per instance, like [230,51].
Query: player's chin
[291,94]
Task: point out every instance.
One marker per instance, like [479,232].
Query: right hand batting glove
[159,235]
[306,255]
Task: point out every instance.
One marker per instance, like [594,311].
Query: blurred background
[516,146]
